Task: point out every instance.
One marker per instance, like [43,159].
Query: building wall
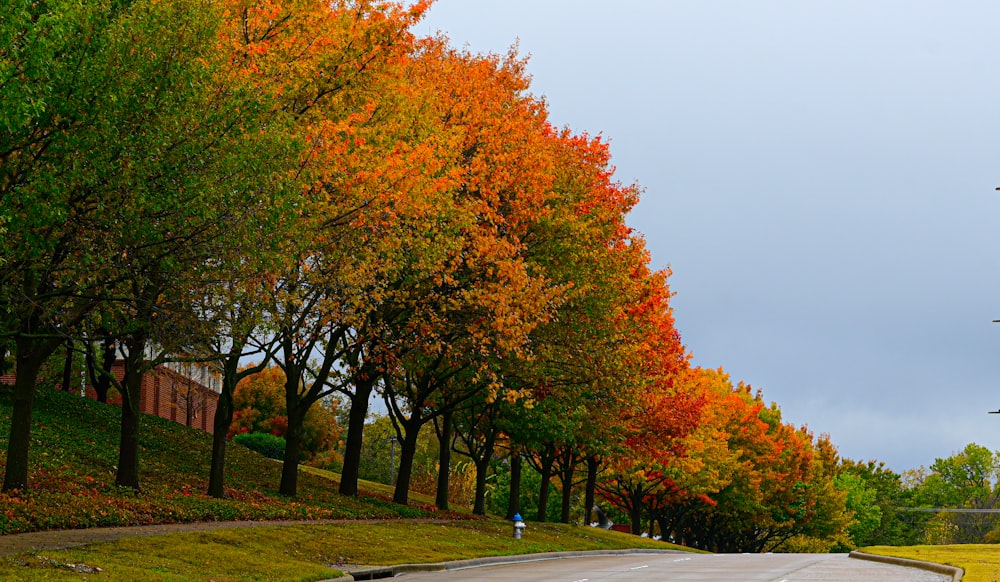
[170,395]
[167,394]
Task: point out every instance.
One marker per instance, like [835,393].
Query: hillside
[72,480]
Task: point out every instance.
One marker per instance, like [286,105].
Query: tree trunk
[223,420]
[67,374]
[635,514]
[661,522]
[514,501]
[224,410]
[567,492]
[30,355]
[221,423]
[591,488]
[444,462]
[407,453]
[482,471]
[102,381]
[189,403]
[31,348]
[355,438]
[128,445]
[548,458]
[293,445]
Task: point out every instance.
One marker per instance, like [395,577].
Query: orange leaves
[443,219]
[501,152]
[764,475]
[306,51]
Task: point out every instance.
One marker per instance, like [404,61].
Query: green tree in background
[965,480]
[862,503]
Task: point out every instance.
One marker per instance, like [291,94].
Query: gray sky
[820,177]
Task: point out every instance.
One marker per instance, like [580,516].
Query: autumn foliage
[371,213]
[260,408]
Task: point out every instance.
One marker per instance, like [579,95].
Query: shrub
[269,445]
[260,407]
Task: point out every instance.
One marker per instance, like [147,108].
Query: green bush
[269,445]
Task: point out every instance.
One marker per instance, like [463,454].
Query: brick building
[183,392]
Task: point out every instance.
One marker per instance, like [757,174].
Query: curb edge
[955,573]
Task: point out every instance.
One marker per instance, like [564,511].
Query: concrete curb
[955,573]
[392,571]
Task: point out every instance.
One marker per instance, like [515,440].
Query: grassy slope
[981,562]
[74,450]
[72,478]
[314,552]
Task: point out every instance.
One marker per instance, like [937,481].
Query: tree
[239,315]
[352,174]
[259,402]
[213,124]
[894,527]
[654,450]
[101,150]
[586,357]
[478,300]
[50,83]
[476,434]
[862,502]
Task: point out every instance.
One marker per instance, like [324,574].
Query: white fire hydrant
[519,526]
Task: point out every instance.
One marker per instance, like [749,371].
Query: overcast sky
[820,177]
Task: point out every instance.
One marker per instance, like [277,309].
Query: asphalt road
[668,567]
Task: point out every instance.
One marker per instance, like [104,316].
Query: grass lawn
[981,562]
[304,552]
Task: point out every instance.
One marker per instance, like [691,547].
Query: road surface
[705,567]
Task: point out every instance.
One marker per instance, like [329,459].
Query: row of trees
[303,180]
[309,184]
[741,481]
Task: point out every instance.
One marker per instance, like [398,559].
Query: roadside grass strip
[981,562]
[304,552]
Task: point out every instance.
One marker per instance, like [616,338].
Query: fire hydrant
[519,526]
